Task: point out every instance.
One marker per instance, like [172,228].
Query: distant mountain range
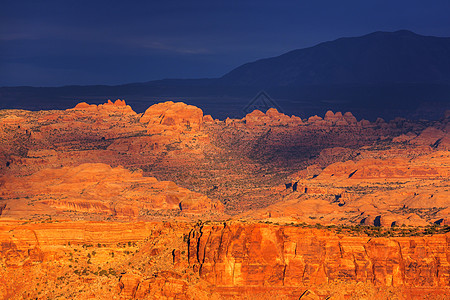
[384,74]
[376,58]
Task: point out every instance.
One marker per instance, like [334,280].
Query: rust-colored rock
[314,119]
[62,172]
[281,256]
[272,117]
[97,189]
[119,106]
[173,116]
[128,285]
[214,261]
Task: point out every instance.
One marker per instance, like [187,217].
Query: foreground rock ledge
[214,261]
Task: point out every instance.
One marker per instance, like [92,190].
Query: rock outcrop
[382,192]
[245,255]
[119,106]
[271,118]
[97,189]
[173,116]
[175,142]
[141,260]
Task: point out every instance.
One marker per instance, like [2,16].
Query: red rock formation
[435,165]
[271,118]
[348,116]
[383,192]
[208,119]
[119,106]
[256,117]
[432,137]
[244,255]
[64,165]
[314,119]
[173,116]
[225,161]
[175,123]
[339,119]
[135,261]
[97,189]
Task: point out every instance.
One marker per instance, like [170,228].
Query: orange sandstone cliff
[220,261]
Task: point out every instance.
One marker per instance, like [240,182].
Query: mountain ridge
[368,57]
[381,74]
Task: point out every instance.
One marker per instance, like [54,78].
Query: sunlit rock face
[176,260]
[119,106]
[173,204]
[271,118]
[99,190]
[173,116]
[259,255]
[245,163]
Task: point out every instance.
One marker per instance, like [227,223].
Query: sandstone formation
[339,119]
[98,201]
[271,118]
[389,192]
[97,189]
[119,106]
[107,260]
[173,116]
[241,256]
[173,141]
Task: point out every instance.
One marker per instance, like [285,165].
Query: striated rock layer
[97,189]
[243,255]
[215,261]
[370,191]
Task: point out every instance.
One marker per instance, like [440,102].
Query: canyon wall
[216,261]
[241,255]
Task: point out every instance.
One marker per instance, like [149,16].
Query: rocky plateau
[101,202]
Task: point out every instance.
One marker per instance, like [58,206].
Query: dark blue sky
[56,42]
